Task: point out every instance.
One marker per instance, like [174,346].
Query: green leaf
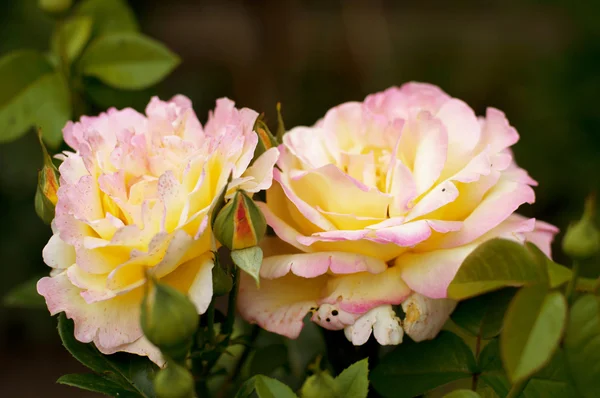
[267,359]
[495,264]
[249,260]
[128,61]
[24,295]
[353,382]
[32,94]
[533,327]
[320,385]
[71,37]
[95,383]
[109,16]
[265,387]
[132,372]
[415,368]
[462,394]
[582,345]
[483,315]
[552,381]
[557,274]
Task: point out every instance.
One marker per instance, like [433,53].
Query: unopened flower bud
[582,239]
[240,223]
[47,189]
[55,7]
[174,381]
[169,319]
[266,140]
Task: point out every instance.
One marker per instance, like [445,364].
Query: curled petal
[425,317]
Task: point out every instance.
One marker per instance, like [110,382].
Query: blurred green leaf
[582,345]
[462,394]
[483,315]
[552,381]
[533,327]
[415,368]
[32,94]
[265,387]
[249,260]
[266,359]
[128,61]
[24,295]
[132,372]
[109,16]
[71,37]
[353,382]
[495,264]
[96,383]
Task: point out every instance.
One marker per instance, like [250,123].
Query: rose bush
[377,205]
[135,197]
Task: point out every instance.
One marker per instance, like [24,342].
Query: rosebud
[582,239]
[169,319]
[174,381]
[266,140]
[280,125]
[55,7]
[47,188]
[240,223]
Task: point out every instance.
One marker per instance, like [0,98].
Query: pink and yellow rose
[377,205]
[136,196]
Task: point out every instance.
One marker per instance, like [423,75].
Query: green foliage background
[537,61]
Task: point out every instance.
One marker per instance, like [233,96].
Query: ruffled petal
[109,324]
[382,322]
[310,265]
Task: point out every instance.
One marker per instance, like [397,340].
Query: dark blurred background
[538,61]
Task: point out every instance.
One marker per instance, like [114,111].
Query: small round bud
[169,319]
[240,223]
[55,7]
[174,381]
[582,239]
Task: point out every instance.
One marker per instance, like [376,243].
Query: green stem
[573,282]
[517,389]
[231,304]
[210,320]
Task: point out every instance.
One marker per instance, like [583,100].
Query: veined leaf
[495,264]
[415,368]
